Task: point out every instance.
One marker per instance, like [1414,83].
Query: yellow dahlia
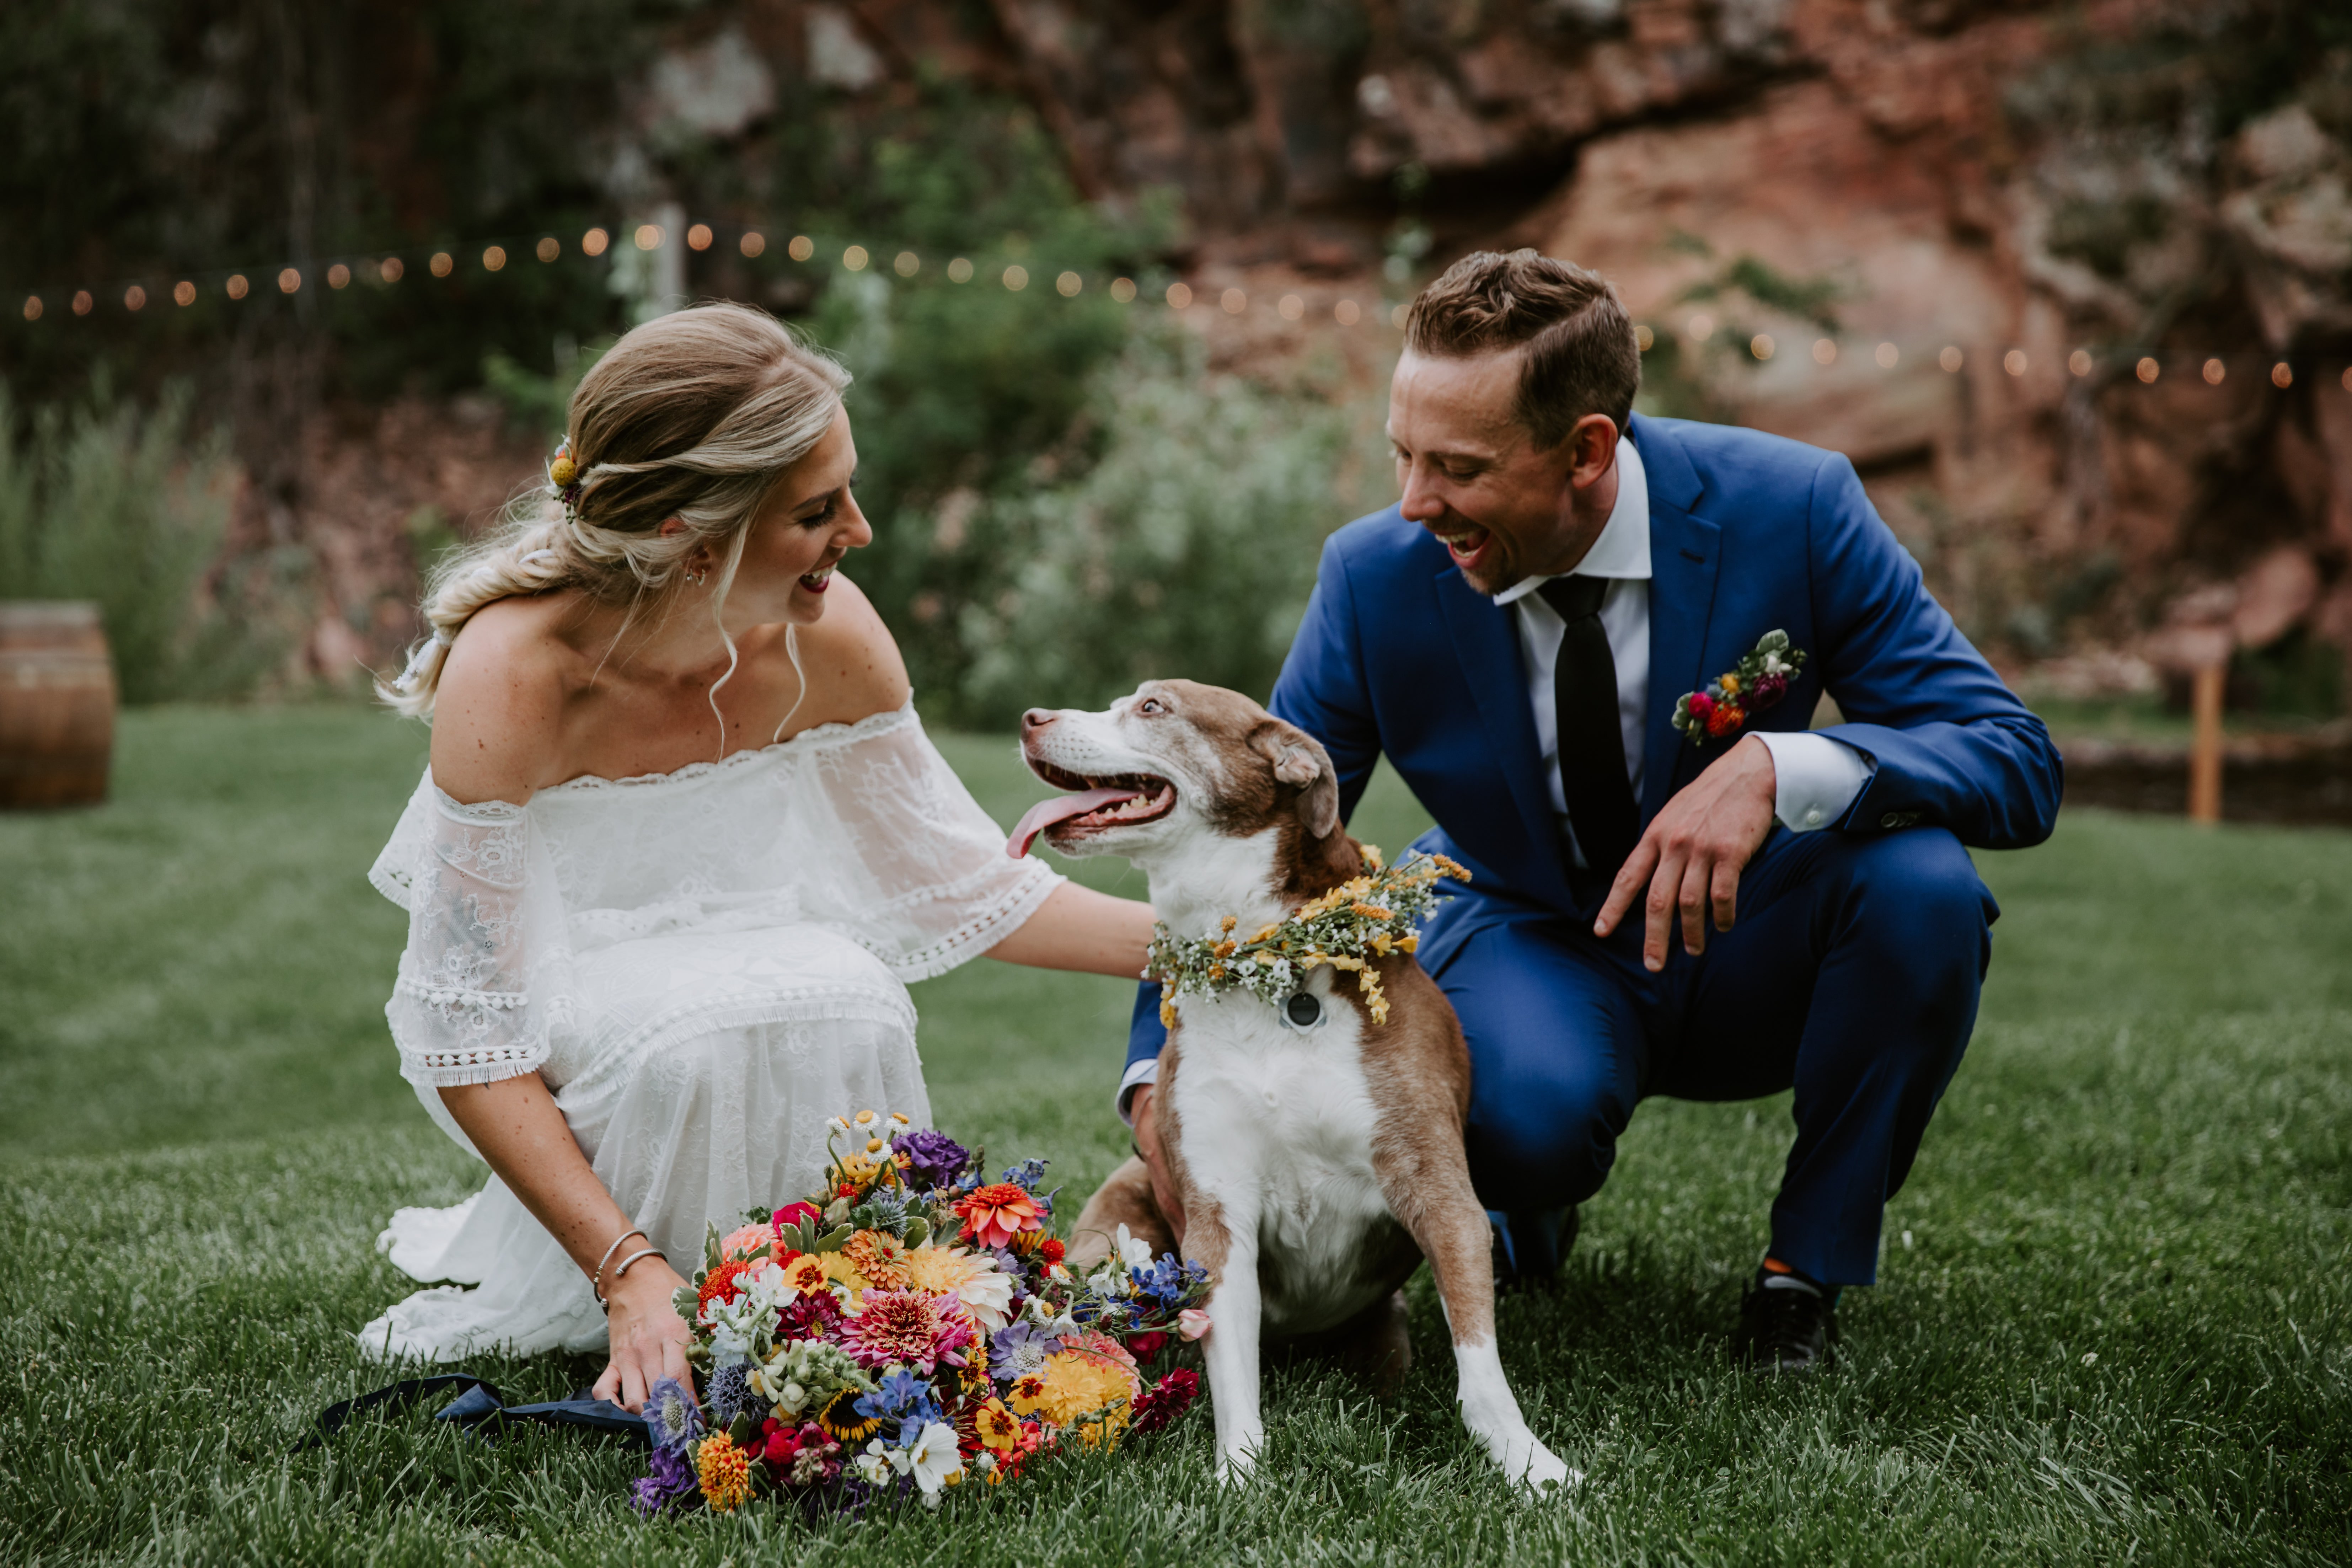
[1092,1374]
[725,1472]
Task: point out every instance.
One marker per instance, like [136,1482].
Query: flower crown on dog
[1352,927]
[1722,707]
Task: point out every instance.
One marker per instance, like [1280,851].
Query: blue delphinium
[903,1397]
[672,1416]
[933,1159]
[1167,1281]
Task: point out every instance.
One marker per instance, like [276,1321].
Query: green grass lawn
[2113,1320]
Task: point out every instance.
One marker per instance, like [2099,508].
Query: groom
[1660,904]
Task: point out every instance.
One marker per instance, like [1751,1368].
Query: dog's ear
[1301,759]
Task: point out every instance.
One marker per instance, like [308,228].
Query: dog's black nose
[1038,718]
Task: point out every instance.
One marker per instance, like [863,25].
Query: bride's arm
[518,1129]
[495,732]
[1077,928]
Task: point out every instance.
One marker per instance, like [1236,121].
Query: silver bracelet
[641,1252]
[596,1280]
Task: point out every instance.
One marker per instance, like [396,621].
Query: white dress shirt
[1816,778]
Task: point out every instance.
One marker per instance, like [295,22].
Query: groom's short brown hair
[1581,357]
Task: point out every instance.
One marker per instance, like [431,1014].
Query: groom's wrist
[1139,1074]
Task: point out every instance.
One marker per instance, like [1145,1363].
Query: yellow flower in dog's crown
[724,1471]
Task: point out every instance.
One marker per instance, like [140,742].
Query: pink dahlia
[908,1326]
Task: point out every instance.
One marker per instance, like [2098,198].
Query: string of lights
[386,268]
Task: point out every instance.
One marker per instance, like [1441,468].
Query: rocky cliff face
[2068,284]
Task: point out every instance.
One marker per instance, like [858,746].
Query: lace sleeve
[475,996]
[937,886]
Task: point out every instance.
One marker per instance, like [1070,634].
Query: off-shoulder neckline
[872,724]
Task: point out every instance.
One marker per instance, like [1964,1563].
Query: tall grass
[129,507]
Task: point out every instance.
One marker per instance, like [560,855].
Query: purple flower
[933,1159]
[1021,1348]
[1766,690]
[668,1478]
[672,1417]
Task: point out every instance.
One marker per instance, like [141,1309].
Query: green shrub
[1188,549]
[108,503]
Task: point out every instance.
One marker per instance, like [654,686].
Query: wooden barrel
[57,704]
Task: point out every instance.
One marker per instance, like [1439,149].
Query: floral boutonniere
[1761,680]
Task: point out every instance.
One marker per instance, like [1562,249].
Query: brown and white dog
[1317,1156]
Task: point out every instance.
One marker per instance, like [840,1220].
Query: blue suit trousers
[1852,975]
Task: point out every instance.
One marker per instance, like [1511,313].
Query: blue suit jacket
[1748,533]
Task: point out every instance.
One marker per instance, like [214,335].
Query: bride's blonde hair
[693,416]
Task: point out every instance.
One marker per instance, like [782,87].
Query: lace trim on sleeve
[982,928]
[462,1009]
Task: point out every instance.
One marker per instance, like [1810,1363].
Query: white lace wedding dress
[703,966]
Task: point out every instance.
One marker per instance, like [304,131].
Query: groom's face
[1472,474]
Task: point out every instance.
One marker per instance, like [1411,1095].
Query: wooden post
[2205,749]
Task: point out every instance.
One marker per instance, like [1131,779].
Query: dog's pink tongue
[1060,808]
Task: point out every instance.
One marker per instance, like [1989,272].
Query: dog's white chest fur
[1277,1124]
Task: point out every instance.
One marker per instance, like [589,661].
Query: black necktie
[1591,746]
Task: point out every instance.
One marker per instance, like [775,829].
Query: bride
[680,846]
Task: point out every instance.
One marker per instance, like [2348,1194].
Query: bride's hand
[649,1339]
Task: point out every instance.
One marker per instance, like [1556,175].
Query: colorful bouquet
[906,1328]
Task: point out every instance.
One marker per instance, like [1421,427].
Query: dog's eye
[1151,705]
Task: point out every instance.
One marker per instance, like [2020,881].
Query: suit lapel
[1686,551]
[1485,639]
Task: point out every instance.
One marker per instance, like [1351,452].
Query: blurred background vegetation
[1070,492]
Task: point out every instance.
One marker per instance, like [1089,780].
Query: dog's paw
[1533,1465]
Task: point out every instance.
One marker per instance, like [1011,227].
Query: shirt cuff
[1815,778]
[1137,1075]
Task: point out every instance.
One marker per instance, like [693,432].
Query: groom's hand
[1155,1160]
[1691,858]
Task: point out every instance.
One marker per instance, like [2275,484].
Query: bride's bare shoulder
[498,709]
[854,665]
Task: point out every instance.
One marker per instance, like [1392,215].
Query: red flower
[1166,1400]
[995,1214]
[1701,707]
[1052,1251]
[719,1284]
[1723,718]
[809,1316]
[794,1214]
[1143,1347]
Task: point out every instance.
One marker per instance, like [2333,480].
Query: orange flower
[725,1472]
[877,1255]
[995,1214]
[719,1284]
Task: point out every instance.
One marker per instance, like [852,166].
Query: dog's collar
[1353,926]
